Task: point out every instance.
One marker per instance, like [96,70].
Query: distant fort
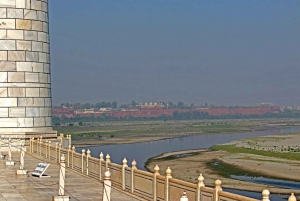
[156,110]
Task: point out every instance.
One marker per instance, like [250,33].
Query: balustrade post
[59,151]
[88,155]
[200,184]
[41,141]
[49,149]
[168,176]
[70,140]
[56,151]
[82,160]
[292,197]
[107,186]
[73,151]
[124,173]
[133,167]
[46,148]
[30,145]
[21,171]
[156,172]
[10,162]
[69,150]
[100,165]
[217,189]
[265,195]
[61,138]
[107,161]
[1,156]
[61,184]
[184,197]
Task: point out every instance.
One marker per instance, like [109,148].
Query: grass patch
[234,149]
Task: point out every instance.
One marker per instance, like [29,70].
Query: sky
[218,52]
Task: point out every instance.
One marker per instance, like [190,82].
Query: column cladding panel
[25,90]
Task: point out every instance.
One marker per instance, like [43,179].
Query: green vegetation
[234,149]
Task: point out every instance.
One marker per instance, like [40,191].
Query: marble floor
[15,187]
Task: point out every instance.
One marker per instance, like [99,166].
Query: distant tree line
[176,116]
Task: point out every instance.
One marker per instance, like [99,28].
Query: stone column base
[9,163]
[21,172]
[60,198]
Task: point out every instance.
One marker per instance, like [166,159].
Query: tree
[133,103]
[80,123]
[180,104]
[114,104]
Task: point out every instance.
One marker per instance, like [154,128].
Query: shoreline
[267,167]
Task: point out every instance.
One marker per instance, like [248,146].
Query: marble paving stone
[37,67]
[8,102]
[37,25]
[39,102]
[42,37]
[43,77]
[42,16]
[37,46]
[39,122]
[8,122]
[45,27]
[32,112]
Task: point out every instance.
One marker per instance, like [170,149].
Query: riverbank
[222,163]
[103,133]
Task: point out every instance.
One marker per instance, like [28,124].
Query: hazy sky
[224,52]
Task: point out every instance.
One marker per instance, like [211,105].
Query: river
[142,151]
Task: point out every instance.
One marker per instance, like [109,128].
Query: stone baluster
[59,151]
[61,185]
[30,145]
[217,189]
[41,141]
[265,195]
[69,150]
[21,171]
[156,172]
[200,184]
[88,155]
[168,176]
[49,149]
[10,162]
[82,160]
[73,151]
[133,167]
[124,166]
[56,151]
[107,161]
[101,160]
[292,197]
[46,148]
[184,197]
[70,140]
[107,186]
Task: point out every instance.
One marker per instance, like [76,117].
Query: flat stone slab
[15,187]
